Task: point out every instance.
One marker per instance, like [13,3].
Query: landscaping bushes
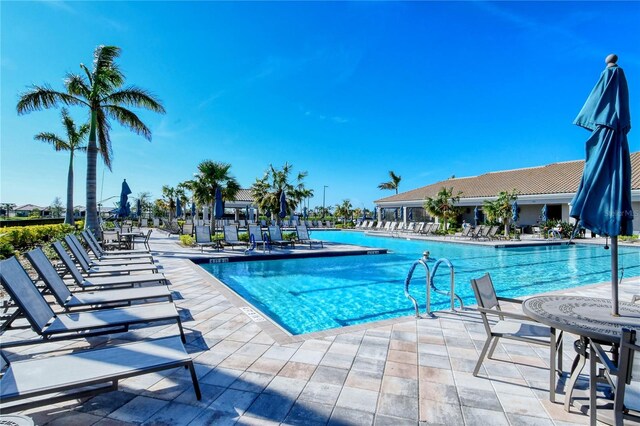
[23,238]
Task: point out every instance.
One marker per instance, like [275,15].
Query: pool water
[313,294]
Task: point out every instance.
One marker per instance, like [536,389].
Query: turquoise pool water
[306,295]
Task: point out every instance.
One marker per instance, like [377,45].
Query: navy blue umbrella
[283,205]
[477,216]
[603,201]
[305,214]
[193,211]
[545,215]
[395,214]
[218,210]
[122,212]
[515,211]
[410,215]
[139,208]
[178,208]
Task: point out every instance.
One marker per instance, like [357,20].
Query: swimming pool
[313,294]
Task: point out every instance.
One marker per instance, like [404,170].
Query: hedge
[23,238]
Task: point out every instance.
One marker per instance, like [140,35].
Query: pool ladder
[430,274]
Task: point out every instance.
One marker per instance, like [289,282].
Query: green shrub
[289,236]
[6,250]
[243,236]
[79,224]
[23,238]
[628,238]
[187,240]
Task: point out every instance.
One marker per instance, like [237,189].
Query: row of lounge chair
[266,238]
[188,227]
[480,232]
[97,298]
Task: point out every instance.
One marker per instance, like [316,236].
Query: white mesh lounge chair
[69,300]
[521,327]
[50,326]
[203,238]
[275,235]
[71,239]
[104,282]
[231,236]
[303,237]
[107,269]
[42,381]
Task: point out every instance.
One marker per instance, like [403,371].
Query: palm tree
[101,90]
[443,206]
[211,175]
[344,210]
[266,191]
[500,208]
[394,183]
[145,202]
[169,196]
[74,142]
[8,208]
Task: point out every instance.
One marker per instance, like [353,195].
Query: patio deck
[402,371]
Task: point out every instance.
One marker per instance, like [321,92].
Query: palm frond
[104,67]
[135,96]
[128,119]
[77,85]
[104,141]
[39,97]
[48,137]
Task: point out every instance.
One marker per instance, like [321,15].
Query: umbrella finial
[611,60]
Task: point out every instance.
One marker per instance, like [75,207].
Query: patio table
[587,317]
[128,237]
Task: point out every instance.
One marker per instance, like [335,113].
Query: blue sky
[346,91]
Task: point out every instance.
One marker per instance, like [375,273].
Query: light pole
[324,193]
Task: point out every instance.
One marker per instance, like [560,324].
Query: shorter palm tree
[443,205]
[394,183]
[500,208]
[74,142]
[344,209]
[212,175]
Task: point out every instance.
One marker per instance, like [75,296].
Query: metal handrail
[452,286]
[422,261]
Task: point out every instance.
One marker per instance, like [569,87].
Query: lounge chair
[203,238]
[42,381]
[73,243]
[69,300]
[231,236]
[101,255]
[107,269]
[523,330]
[303,237]
[485,232]
[88,234]
[104,282]
[256,237]
[275,235]
[418,229]
[50,326]
[477,231]
[466,233]
[409,227]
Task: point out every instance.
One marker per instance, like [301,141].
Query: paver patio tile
[438,392]
[307,357]
[252,349]
[267,366]
[398,369]
[405,407]
[322,393]
[358,399]
[330,375]
[400,345]
[399,386]
[518,404]
[233,401]
[209,394]
[403,357]
[316,345]
[252,382]
[337,360]
[430,360]
[286,386]
[297,370]
[221,376]
[309,413]
[438,413]
[363,380]
[74,418]
[174,414]
[438,375]
[468,380]
[519,420]
[279,352]
[105,421]
[271,407]
[106,403]
[485,399]
[382,420]
[346,416]
[138,409]
[474,416]
[368,364]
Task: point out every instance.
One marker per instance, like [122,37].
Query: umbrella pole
[614,276]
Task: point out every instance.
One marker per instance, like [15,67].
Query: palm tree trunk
[68,218]
[91,221]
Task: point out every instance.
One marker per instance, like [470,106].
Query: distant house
[27,209]
[554,185]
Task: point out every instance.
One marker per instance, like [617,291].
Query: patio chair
[303,237]
[73,242]
[203,238]
[104,282]
[144,239]
[107,269]
[619,374]
[493,233]
[466,233]
[42,381]
[69,300]
[275,235]
[523,329]
[103,252]
[51,327]
[101,255]
[418,228]
[231,236]
[477,232]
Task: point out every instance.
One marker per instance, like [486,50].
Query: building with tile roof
[554,185]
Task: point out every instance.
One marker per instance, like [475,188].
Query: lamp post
[324,193]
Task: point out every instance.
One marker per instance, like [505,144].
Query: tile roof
[244,195]
[556,178]
[30,207]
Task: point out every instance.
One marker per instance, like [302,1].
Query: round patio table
[587,317]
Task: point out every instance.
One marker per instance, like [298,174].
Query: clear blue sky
[345,91]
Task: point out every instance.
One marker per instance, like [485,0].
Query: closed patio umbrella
[138,208]
[544,214]
[218,208]
[515,212]
[283,205]
[603,200]
[476,216]
[124,193]
[193,211]
[178,208]
[305,213]
[410,215]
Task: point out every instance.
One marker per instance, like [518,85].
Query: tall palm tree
[169,196]
[394,183]
[266,191]
[211,175]
[443,204]
[101,90]
[73,142]
[344,210]
[500,208]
